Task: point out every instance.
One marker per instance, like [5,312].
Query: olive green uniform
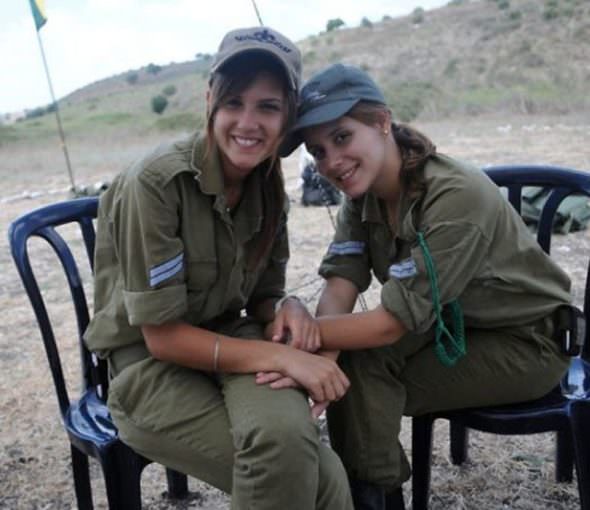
[168,249]
[484,257]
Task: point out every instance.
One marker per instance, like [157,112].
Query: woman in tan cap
[467,299]
[190,272]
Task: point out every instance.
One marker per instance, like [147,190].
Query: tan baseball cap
[265,40]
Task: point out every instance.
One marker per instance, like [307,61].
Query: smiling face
[248,124]
[354,156]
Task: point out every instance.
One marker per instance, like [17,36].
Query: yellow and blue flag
[38,9]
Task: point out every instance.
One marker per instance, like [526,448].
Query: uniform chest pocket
[201,274]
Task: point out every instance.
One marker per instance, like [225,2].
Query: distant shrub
[153,69]
[202,56]
[417,15]
[503,4]
[35,112]
[159,104]
[366,23]
[132,78]
[452,67]
[169,90]
[515,15]
[550,12]
[568,11]
[454,3]
[386,17]
[333,24]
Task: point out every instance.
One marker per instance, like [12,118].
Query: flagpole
[57,116]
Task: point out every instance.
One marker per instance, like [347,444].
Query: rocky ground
[503,472]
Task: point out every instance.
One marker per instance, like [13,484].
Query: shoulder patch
[347,248]
[404,269]
[166,270]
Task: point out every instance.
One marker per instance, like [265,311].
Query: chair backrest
[561,183]
[42,223]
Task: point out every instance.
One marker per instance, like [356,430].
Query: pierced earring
[385,132]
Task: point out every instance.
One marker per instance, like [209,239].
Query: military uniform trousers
[501,366]
[258,444]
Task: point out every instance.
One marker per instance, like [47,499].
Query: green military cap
[261,40]
[327,96]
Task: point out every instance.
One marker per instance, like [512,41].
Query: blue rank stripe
[166,270]
[405,269]
[347,248]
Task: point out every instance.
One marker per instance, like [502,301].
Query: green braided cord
[447,356]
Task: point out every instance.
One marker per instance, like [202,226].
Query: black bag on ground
[316,189]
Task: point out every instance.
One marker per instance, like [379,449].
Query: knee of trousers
[278,437]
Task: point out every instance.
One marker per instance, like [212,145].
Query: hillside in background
[467,58]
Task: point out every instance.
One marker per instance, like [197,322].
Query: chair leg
[580,417]
[421,459]
[459,442]
[564,456]
[177,484]
[122,469]
[81,479]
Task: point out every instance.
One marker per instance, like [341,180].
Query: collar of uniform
[208,170]
[373,212]
[210,176]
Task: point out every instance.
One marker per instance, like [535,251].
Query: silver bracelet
[216,353]
[281,302]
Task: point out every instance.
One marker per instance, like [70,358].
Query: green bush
[452,67]
[515,15]
[153,69]
[169,90]
[417,15]
[366,23]
[333,24]
[35,112]
[132,78]
[550,13]
[159,104]
[503,4]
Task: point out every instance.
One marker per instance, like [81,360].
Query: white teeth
[245,142]
[346,175]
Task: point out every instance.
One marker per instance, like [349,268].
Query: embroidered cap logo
[264,36]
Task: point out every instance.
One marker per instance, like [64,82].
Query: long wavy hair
[231,80]
[415,147]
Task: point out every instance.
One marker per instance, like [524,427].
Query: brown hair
[231,80]
[415,147]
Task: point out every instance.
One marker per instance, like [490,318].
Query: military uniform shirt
[483,253]
[167,247]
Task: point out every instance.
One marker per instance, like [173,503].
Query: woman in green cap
[467,297]
[190,271]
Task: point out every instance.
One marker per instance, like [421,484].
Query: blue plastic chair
[566,409]
[87,420]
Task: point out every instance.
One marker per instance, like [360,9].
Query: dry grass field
[503,473]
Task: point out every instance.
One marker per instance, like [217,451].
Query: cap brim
[316,116]
[269,52]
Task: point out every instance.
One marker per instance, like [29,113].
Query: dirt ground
[503,472]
